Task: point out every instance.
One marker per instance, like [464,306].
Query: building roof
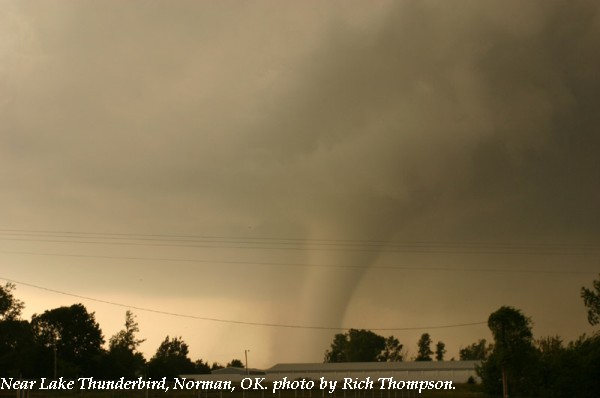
[372,366]
[233,370]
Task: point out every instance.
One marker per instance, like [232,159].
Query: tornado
[338,266]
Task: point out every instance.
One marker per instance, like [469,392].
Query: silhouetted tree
[201,367]
[16,338]
[75,335]
[122,358]
[440,350]
[392,352]
[513,355]
[478,351]
[126,338]
[549,345]
[424,344]
[364,345]
[18,352]
[567,371]
[236,363]
[171,359]
[356,346]
[10,307]
[337,352]
[591,299]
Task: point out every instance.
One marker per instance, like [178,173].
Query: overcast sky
[378,165]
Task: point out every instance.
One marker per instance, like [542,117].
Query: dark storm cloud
[486,109]
[433,106]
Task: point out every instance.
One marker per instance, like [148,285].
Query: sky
[262,175]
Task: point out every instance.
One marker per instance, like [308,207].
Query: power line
[355,248]
[305,265]
[292,243]
[279,325]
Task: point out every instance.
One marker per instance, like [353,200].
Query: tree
[17,349]
[236,363]
[512,333]
[583,362]
[478,351]
[591,299]
[549,345]
[568,370]
[201,367]
[126,338]
[364,345]
[440,350]
[355,346]
[16,337]
[75,336]
[424,348]
[122,358]
[10,307]
[337,353]
[392,352]
[171,359]
[513,353]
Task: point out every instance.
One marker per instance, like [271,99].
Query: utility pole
[504,384]
[55,339]
[246,354]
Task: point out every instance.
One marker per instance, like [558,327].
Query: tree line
[514,363]
[366,346]
[68,342]
[519,365]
